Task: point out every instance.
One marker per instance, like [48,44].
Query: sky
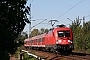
[57,10]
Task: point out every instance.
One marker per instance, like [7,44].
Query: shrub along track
[53,56]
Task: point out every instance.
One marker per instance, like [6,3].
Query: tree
[81,35]
[24,34]
[42,30]
[13,17]
[35,32]
[20,39]
[46,30]
[86,38]
[76,28]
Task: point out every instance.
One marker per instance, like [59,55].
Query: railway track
[70,57]
[76,58]
[53,56]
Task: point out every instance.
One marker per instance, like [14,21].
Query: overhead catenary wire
[87,16]
[70,9]
[39,23]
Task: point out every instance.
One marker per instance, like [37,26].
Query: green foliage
[36,32]
[26,57]
[20,39]
[13,18]
[81,35]
[42,30]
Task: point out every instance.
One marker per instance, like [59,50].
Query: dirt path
[13,58]
[52,56]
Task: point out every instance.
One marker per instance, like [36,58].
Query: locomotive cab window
[63,33]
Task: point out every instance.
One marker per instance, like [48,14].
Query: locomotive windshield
[63,33]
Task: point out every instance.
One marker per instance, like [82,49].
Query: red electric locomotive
[59,39]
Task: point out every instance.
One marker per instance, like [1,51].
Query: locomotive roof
[60,26]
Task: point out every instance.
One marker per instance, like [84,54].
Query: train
[57,39]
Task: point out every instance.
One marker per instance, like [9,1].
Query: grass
[26,57]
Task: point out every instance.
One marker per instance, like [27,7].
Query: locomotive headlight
[58,41]
[70,41]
